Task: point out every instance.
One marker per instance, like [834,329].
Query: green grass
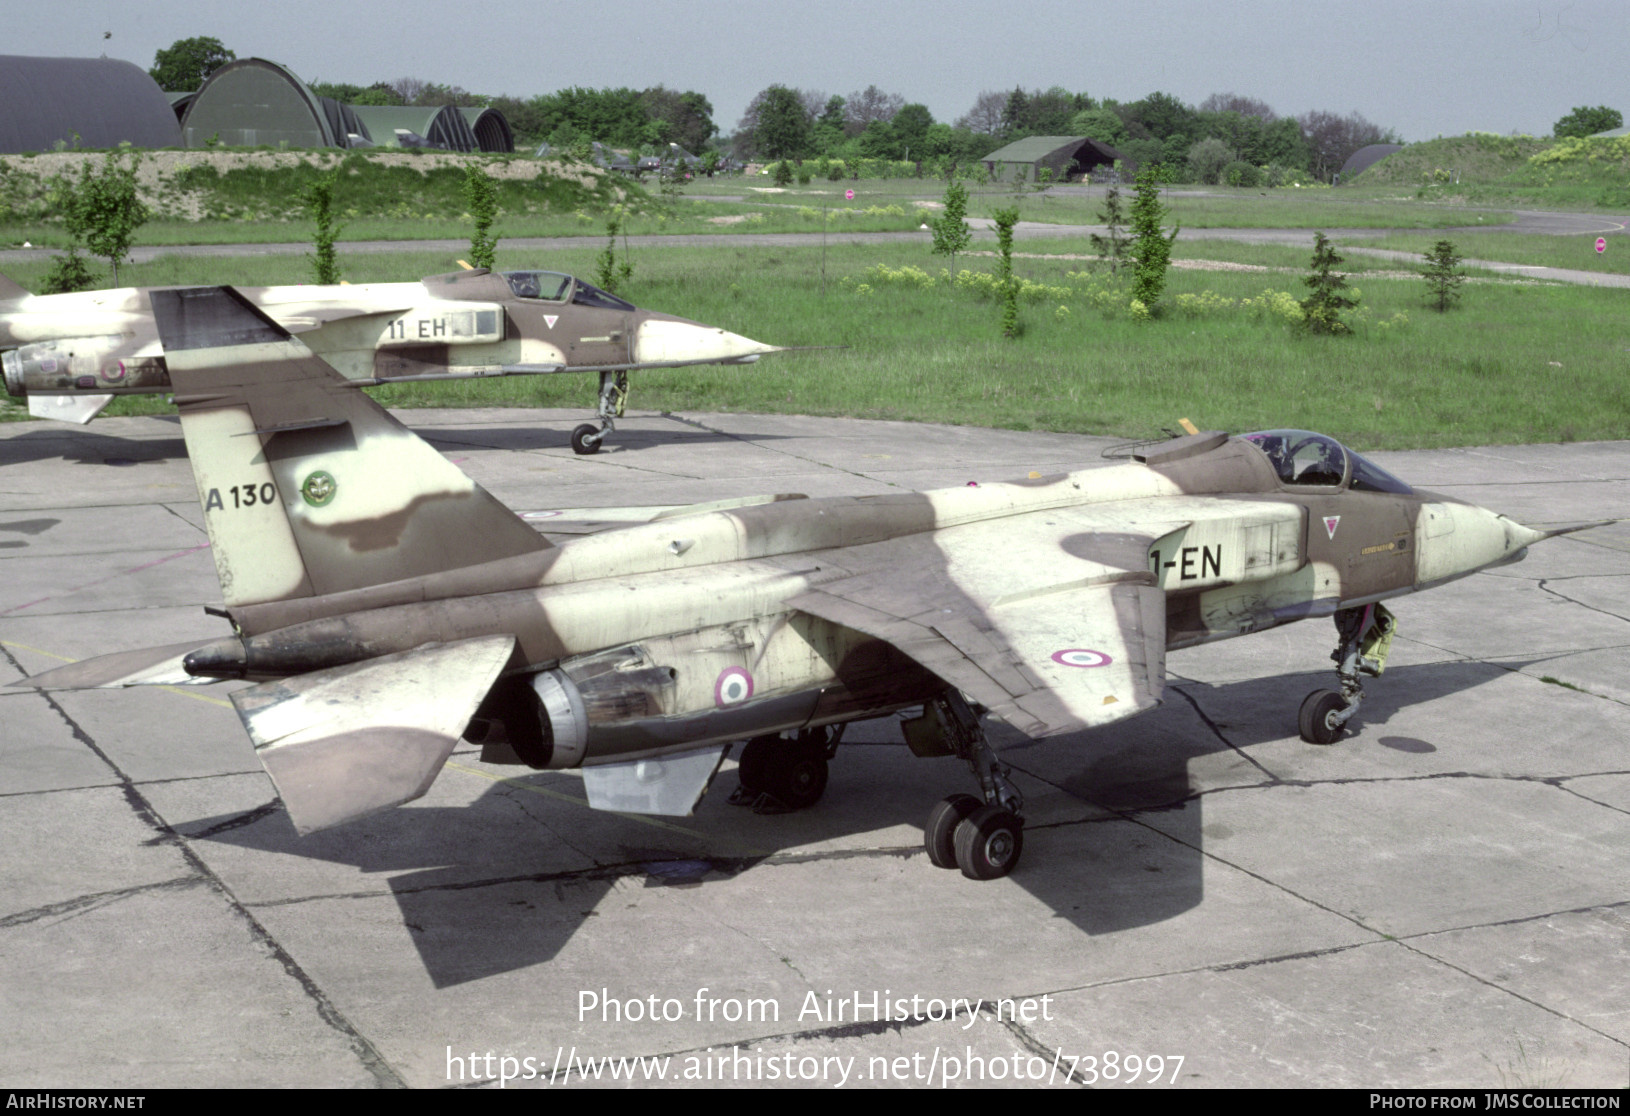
[1524,171]
[1511,364]
[1225,207]
[1536,249]
[1478,157]
[686,218]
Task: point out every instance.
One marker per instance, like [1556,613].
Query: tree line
[786,123]
[1207,143]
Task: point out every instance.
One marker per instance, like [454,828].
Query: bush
[1151,248]
[1208,159]
[1274,305]
[1241,173]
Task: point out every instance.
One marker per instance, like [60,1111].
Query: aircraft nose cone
[674,341]
[1459,539]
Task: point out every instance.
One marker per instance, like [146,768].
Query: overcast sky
[1420,67]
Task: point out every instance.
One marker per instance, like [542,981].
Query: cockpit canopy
[551,286]
[1301,457]
[556,286]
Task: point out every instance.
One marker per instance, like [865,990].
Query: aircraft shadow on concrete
[10,529]
[476,905]
[89,447]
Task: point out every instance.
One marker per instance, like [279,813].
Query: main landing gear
[613,398]
[984,839]
[780,774]
[1365,639]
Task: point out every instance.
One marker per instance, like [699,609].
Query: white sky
[1420,67]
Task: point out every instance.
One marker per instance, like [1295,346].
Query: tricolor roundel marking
[1081,657]
[733,687]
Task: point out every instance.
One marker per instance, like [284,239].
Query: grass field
[1575,252]
[1514,363]
[1193,207]
[406,206]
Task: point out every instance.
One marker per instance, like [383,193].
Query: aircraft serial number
[242,496]
[1191,562]
[425,328]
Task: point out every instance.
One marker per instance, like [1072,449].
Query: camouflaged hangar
[1067,157]
[83,102]
[257,103]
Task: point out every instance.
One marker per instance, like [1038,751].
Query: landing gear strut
[984,839]
[613,398]
[1365,639]
[780,774]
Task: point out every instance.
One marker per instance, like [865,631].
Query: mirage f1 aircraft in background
[70,354]
[386,606]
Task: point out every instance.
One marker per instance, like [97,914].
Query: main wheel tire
[939,836]
[754,768]
[1314,718]
[586,439]
[988,843]
[797,774]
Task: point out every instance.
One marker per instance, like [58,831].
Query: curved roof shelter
[104,101]
[1366,157]
[1066,156]
[491,128]
[417,126]
[253,103]
[179,103]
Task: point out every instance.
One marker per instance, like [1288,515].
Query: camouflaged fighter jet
[386,606]
[70,354]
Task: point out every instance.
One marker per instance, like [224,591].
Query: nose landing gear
[1365,640]
[586,438]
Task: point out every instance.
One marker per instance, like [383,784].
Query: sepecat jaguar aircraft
[386,606]
[70,354]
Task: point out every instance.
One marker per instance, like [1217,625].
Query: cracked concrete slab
[1197,882]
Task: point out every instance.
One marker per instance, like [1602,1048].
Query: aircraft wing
[353,740]
[1052,639]
[67,408]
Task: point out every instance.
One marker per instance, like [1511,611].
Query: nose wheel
[586,439]
[1365,639]
[1322,718]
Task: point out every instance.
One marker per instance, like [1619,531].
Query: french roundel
[1081,657]
[733,687]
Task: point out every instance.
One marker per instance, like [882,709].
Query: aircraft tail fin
[308,486]
[10,290]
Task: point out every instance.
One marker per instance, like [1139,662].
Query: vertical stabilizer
[308,486]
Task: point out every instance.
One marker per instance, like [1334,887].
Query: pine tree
[1443,275]
[1321,310]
